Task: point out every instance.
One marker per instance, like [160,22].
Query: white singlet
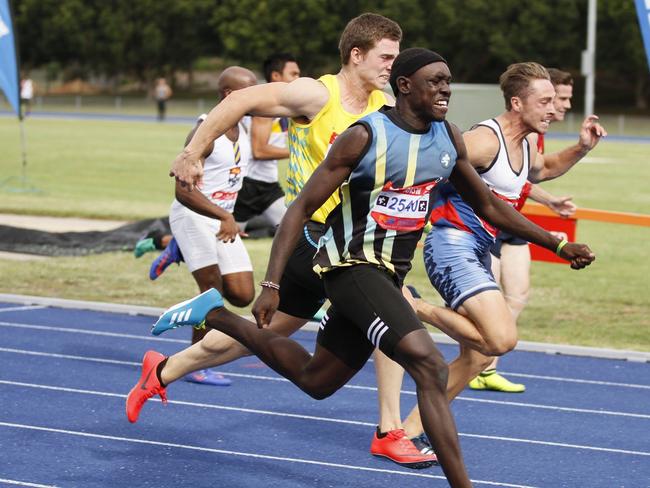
[500,177]
[222,175]
[223,172]
[267,169]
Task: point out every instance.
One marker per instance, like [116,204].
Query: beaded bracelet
[269,284]
[562,243]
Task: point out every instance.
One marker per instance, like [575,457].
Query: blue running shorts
[458,265]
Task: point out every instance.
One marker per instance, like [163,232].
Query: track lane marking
[24,483]
[352,387]
[316,418]
[92,332]
[186,342]
[22,308]
[245,454]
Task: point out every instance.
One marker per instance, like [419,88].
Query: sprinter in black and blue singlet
[383,162]
[385,203]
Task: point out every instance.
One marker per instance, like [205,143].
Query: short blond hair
[364,32]
[515,81]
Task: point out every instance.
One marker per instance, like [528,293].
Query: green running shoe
[144,246]
[491,380]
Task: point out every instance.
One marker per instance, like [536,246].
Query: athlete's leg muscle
[515,276]
[489,311]
[319,376]
[217,348]
[389,383]
[420,358]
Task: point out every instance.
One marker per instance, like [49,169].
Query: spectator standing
[162,92]
[26,95]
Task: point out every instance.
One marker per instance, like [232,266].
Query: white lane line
[558,444]
[20,309]
[24,483]
[69,356]
[557,408]
[246,454]
[92,332]
[353,387]
[575,380]
[186,342]
[314,418]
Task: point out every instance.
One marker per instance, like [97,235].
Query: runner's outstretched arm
[548,166]
[304,97]
[474,191]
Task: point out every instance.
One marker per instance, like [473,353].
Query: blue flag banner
[9,83]
[643,12]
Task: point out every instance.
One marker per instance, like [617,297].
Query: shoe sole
[485,388]
[414,465]
[216,381]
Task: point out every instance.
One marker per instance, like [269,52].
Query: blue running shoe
[171,254]
[208,377]
[191,312]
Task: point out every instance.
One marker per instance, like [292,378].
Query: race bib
[402,209]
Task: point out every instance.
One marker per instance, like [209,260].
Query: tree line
[142,39]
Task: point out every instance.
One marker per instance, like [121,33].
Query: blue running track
[65,373]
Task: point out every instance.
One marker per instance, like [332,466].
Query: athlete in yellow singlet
[310,141]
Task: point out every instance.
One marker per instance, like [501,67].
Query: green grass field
[119,170]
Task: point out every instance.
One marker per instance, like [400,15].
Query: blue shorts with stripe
[457,264]
[368,310]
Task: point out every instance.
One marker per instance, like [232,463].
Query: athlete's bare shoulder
[482,146]
[304,97]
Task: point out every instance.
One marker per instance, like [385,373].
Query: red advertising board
[565,227]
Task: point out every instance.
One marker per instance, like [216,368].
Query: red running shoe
[395,446]
[146,387]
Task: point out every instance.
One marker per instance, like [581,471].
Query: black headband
[409,61]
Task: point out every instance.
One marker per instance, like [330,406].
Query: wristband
[561,245]
[269,284]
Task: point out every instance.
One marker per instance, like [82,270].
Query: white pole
[23,147]
[589,59]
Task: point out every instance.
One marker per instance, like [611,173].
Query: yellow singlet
[309,143]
